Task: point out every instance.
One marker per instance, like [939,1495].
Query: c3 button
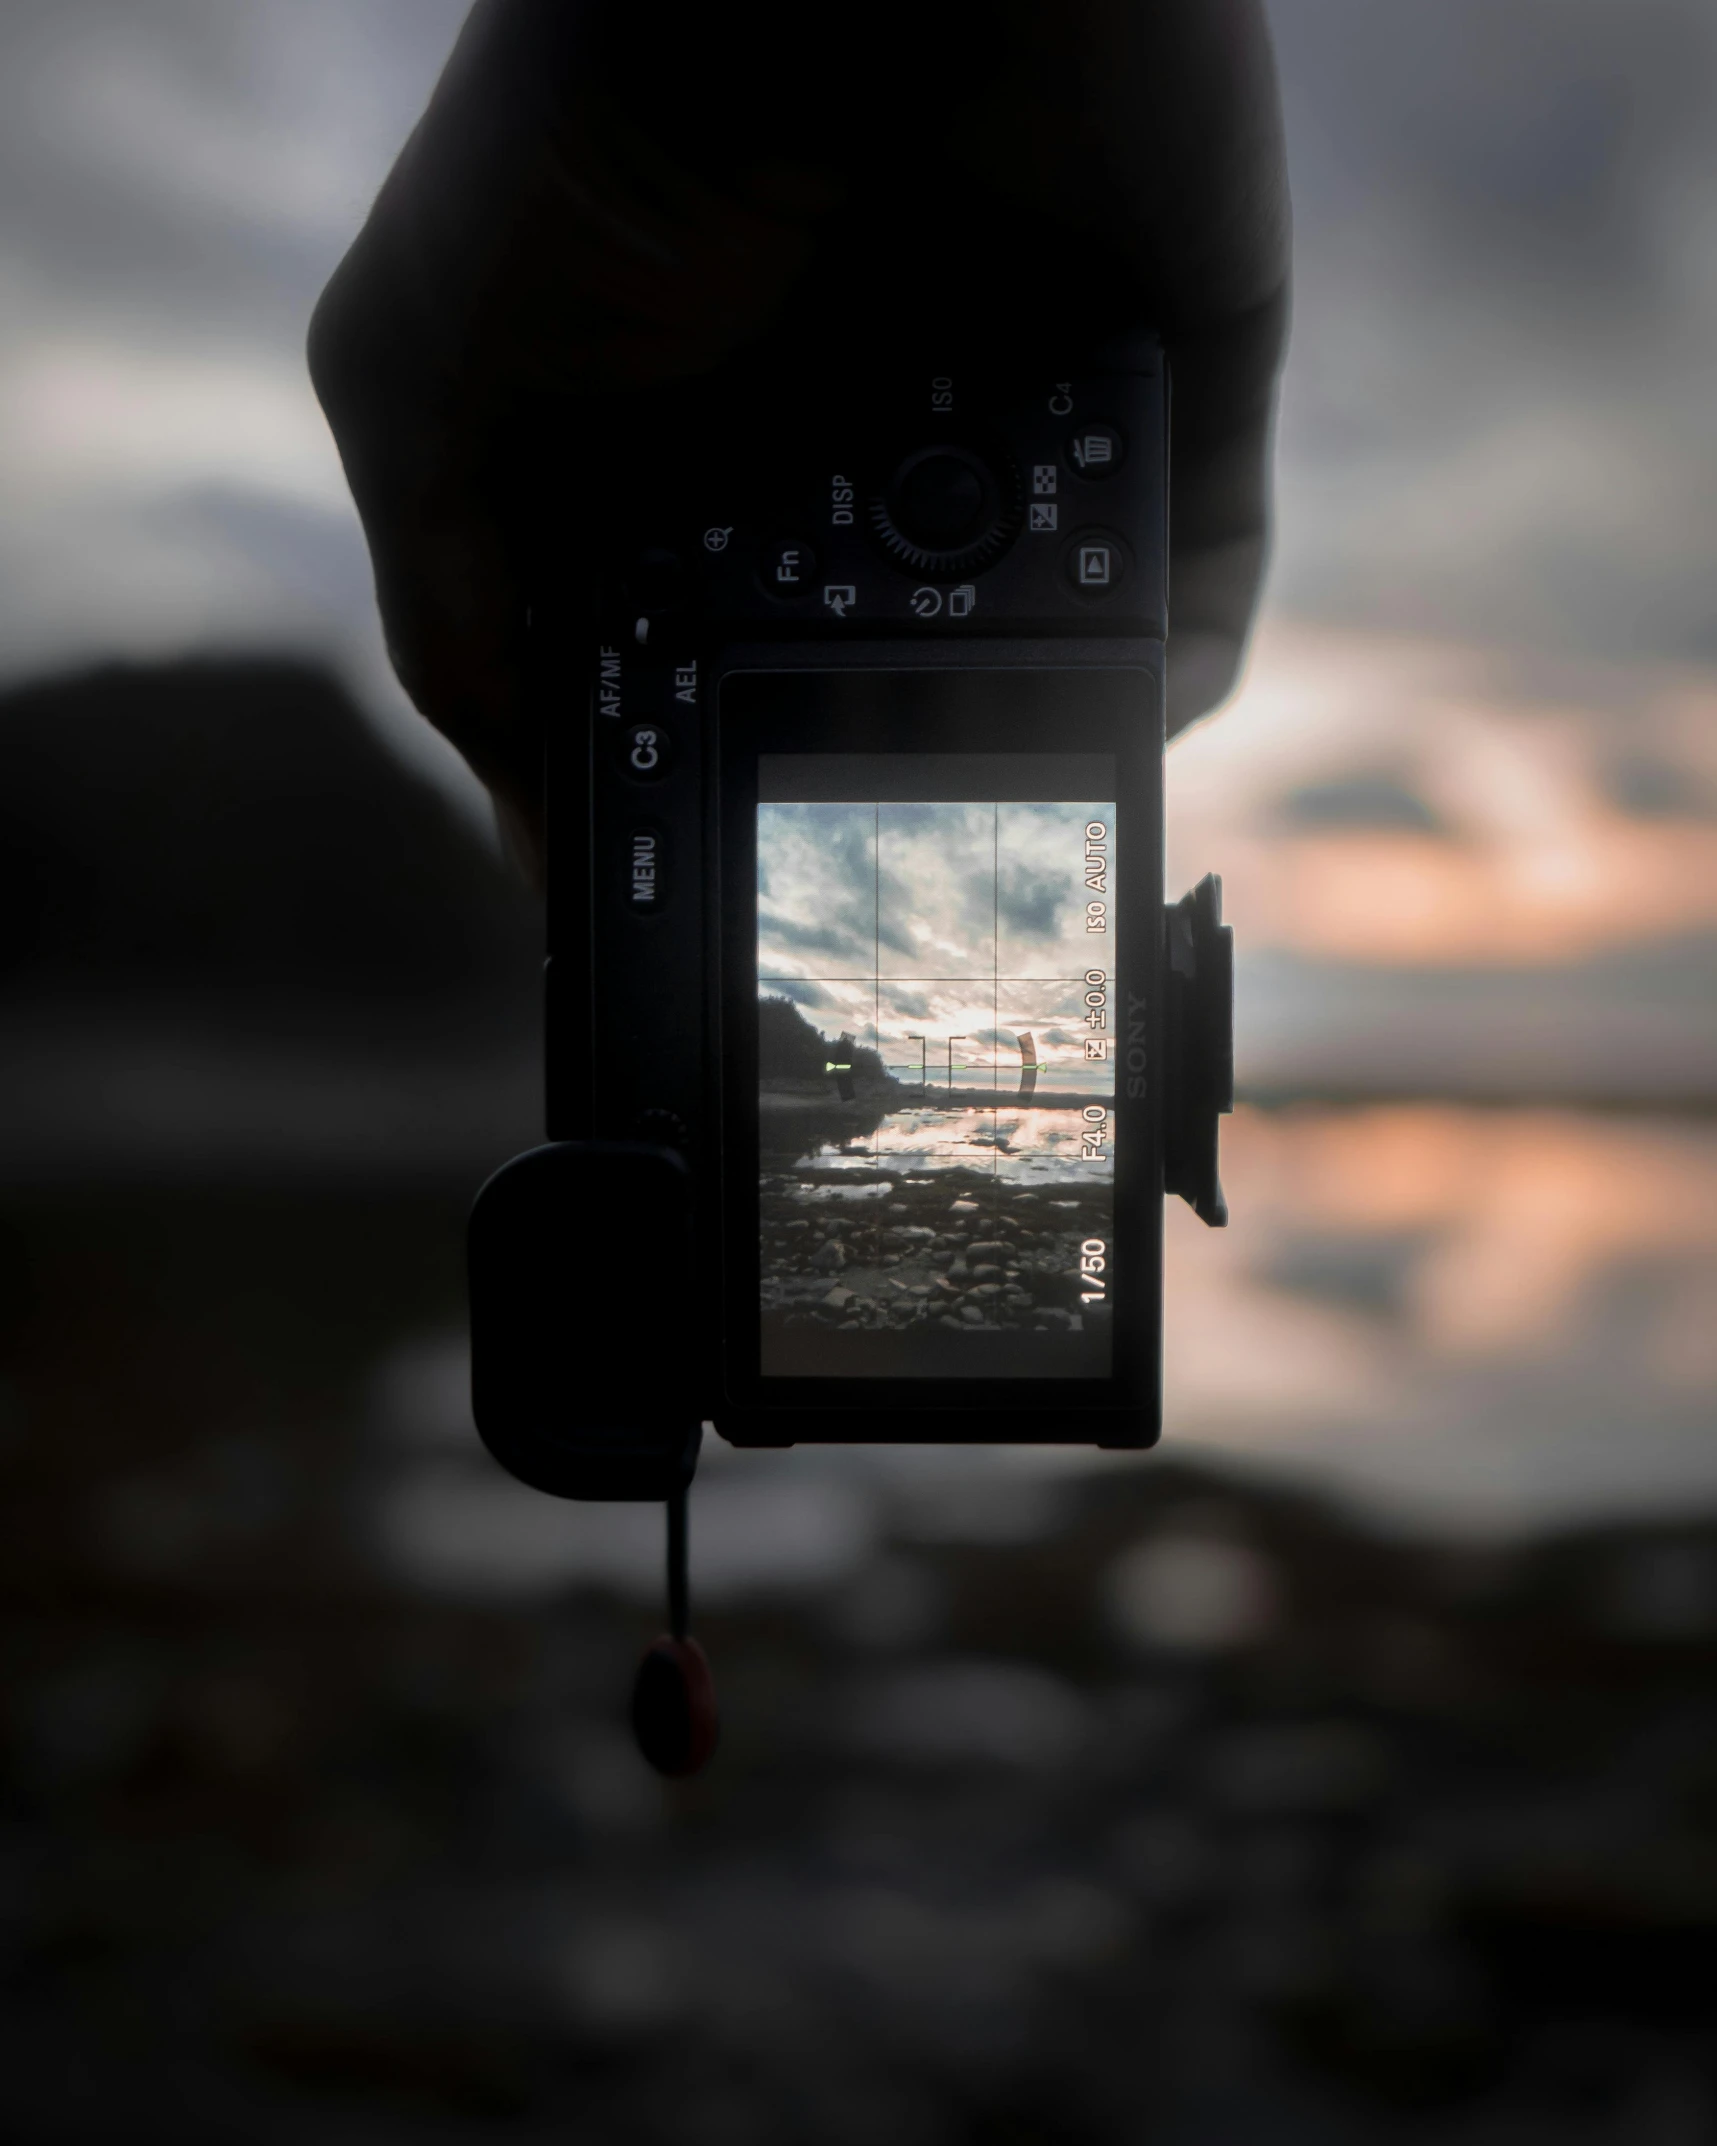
[646,752]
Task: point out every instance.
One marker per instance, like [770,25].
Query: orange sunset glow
[1387,802]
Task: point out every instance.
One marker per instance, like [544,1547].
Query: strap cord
[679,1585]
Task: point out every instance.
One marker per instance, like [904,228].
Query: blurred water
[1492,1318]
[1485,1321]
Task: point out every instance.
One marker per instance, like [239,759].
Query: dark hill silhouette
[239,939]
[231,839]
[789,1048]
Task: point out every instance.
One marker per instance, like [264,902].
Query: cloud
[1551,930]
[1369,797]
[1496,422]
[1496,413]
[818,862]
[1530,857]
[827,941]
[1647,785]
[180,176]
[909,893]
[801,992]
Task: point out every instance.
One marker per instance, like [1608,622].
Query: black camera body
[871,1047]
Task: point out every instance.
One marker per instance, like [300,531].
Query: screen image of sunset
[936,1087]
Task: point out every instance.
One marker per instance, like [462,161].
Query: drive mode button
[642,877]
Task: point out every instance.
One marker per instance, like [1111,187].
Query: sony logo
[1137,1057]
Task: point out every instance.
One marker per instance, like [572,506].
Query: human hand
[603,197]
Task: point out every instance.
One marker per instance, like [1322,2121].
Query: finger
[451,610]
[528,238]
[1154,132]
[1223,387]
[624,271]
[596,264]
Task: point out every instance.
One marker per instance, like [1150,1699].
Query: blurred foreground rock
[1158,1805]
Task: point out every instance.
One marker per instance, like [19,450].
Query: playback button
[1096,563]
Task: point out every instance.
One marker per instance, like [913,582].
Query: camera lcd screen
[936,979]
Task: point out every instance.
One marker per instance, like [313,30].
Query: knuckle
[328,344]
[340,344]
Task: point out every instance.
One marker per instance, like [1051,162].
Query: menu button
[643,879]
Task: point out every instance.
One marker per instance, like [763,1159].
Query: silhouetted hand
[603,195]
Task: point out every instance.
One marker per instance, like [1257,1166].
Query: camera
[871,1045]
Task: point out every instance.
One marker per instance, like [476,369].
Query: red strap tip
[673,1707]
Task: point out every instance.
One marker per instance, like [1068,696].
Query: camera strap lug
[581,1383]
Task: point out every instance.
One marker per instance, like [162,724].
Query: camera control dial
[947,510]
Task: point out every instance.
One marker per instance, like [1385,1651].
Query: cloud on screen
[910,892]
[943,974]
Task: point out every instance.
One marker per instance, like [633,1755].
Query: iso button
[646,752]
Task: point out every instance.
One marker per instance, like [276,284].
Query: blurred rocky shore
[1147,1804]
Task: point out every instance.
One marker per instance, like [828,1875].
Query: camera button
[646,752]
[788,568]
[1096,563]
[1096,451]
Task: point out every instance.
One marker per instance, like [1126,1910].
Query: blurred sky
[179,177]
[1477,732]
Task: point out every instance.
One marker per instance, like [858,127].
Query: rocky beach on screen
[855,1249]
[889,1206]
